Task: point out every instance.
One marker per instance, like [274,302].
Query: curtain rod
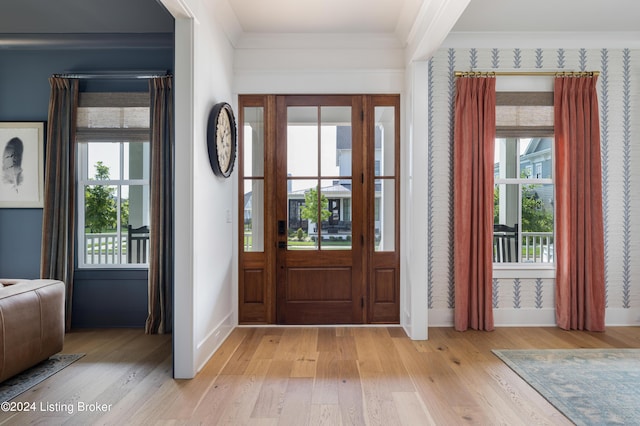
[527,73]
[125,75]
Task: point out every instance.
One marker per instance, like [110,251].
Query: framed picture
[22,172]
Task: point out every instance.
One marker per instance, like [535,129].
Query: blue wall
[101,298]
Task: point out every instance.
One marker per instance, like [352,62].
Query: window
[254,190]
[523,201]
[538,170]
[113,179]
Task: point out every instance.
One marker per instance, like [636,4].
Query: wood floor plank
[350,393]
[325,415]
[306,355]
[325,389]
[297,402]
[346,347]
[327,340]
[268,346]
[366,349]
[271,397]
[411,409]
[379,405]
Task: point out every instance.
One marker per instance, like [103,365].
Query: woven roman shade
[113,117]
[524,114]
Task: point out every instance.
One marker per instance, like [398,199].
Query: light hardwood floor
[299,376]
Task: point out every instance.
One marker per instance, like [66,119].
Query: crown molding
[543,39]
[226,18]
[432,24]
[318,41]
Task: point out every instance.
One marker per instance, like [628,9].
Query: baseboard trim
[211,343]
[533,317]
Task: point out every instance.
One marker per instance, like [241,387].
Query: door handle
[282,227]
[282,244]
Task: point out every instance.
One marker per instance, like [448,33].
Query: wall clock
[221,139]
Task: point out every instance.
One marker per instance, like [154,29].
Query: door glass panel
[384,133]
[302,214]
[302,141]
[253,215]
[336,224]
[384,215]
[335,143]
[253,142]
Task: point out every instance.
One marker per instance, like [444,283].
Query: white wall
[314,65]
[414,254]
[204,292]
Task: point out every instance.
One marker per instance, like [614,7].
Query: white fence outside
[537,247]
[105,249]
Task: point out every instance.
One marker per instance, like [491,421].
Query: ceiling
[397,16]
[550,16]
[326,16]
[362,17]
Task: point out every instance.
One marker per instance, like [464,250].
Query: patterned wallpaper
[619,97]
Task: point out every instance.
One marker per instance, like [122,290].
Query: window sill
[111,267]
[524,270]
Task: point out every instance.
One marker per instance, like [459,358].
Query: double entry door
[319,191]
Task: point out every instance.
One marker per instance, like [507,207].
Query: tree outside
[535,218]
[101,211]
[309,210]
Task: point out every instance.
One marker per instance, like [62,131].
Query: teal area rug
[18,384]
[589,386]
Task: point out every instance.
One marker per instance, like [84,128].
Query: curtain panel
[473,163]
[160,317]
[580,289]
[58,216]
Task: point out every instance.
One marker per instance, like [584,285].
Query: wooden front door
[320,222]
[319,266]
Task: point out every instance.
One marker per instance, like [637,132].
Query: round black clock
[221,139]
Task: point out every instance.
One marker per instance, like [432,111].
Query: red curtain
[473,160]
[579,251]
